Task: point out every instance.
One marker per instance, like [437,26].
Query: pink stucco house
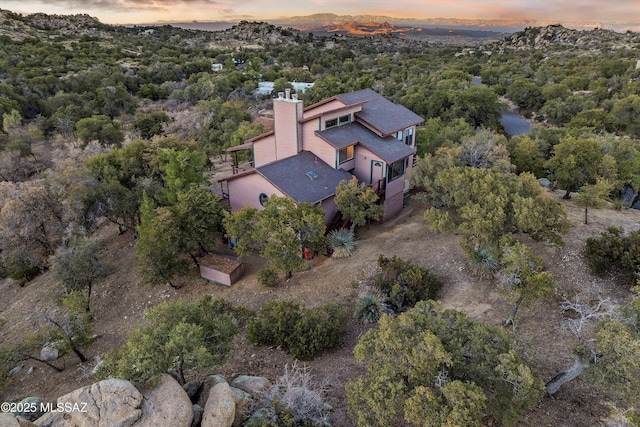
[312,149]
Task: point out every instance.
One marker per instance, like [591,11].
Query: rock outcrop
[118,403]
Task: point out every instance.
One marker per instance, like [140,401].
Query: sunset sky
[151,11]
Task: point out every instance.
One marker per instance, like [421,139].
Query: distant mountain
[497,25]
[370,28]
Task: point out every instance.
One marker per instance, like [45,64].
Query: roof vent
[312,175]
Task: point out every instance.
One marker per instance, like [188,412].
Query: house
[312,149]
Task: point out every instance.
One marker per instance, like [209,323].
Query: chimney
[287,93]
[280,95]
[294,96]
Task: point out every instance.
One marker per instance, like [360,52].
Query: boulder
[243,401]
[49,353]
[112,402]
[252,385]
[10,420]
[192,388]
[166,404]
[197,415]
[34,406]
[207,385]
[220,410]
[117,403]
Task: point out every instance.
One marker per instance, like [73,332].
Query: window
[345,155]
[331,123]
[338,121]
[396,170]
[399,135]
[262,198]
[408,136]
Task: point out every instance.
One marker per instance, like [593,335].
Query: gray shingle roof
[381,113]
[290,176]
[388,148]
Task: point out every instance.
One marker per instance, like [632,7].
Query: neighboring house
[312,149]
[266,88]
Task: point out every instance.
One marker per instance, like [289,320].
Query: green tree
[151,124]
[522,275]
[357,202]
[181,169]
[74,331]
[434,366]
[199,214]
[158,249]
[487,204]
[179,337]
[99,128]
[575,162]
[279,232]
[526,94]
[594,196]
[626,113]
[76,265]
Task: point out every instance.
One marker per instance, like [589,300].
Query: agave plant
[341,243]
[370,305]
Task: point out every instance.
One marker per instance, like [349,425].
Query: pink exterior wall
[363,158]
[286,113]
[244,191]
[394,188]
[264,151]
[319,147]
[393,205]
[322,108]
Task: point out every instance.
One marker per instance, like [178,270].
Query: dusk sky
[151,11]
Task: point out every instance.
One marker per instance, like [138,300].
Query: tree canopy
[179,337]
[435,366]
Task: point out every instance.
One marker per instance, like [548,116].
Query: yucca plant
[484,263]
[370,306]
[341,243]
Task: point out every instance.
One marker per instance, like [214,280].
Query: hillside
[558,37]
[96,119]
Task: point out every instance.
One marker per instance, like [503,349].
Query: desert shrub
[484,262]
[302,332]
[318,329]
[21,269]
[293,401]
[403,283]
[268,277]
[614,252]
[341,243]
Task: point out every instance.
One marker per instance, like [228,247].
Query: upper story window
[345,154]
[396,169]
[408,136]
[338,121]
